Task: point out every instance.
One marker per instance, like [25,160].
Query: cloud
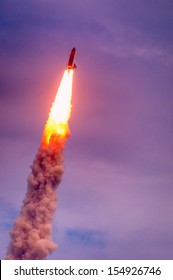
[85,237]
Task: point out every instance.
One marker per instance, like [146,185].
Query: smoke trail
[31,232]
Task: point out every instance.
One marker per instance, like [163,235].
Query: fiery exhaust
[32,230]
[57,123]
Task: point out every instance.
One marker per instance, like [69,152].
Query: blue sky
[115,199]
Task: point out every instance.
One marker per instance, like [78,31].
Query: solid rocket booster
[70,64]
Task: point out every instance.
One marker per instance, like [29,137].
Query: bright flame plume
[57,123]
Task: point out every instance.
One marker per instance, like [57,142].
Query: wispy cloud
[86,237]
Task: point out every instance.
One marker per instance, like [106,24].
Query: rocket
[70,64]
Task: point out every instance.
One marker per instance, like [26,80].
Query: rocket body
[70,64]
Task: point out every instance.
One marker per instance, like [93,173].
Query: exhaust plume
[32,230]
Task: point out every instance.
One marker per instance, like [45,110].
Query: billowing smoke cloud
[31,232]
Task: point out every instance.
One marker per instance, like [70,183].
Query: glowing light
[57,123]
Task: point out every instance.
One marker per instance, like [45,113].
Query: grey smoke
[32,230]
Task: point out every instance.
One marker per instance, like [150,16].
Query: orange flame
[57,123]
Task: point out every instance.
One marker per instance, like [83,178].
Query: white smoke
[31,232]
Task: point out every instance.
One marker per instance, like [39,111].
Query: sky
[115,198]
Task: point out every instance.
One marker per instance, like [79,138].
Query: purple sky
[115,199]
